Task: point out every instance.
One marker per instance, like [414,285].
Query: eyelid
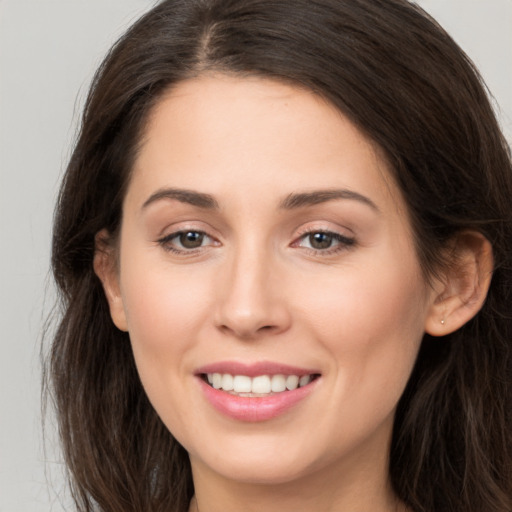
[324,227]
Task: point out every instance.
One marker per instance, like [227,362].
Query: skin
[258,289]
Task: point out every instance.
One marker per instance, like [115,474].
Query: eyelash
[343,244]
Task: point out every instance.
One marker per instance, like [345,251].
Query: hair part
[410,89]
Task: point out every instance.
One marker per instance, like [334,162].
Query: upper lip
[254,369]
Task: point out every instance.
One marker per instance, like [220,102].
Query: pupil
[320,240]
[191,240]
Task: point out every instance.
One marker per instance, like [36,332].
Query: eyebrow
[315,197]
[198,199]
[291,202]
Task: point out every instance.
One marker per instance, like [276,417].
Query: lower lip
[255,409]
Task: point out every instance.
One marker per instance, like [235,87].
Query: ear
[461,291]
[106,268]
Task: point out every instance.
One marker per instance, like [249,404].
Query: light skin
[299,252]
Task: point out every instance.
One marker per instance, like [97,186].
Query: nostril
[251,320]
[248,332]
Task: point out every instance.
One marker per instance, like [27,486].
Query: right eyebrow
[192,197]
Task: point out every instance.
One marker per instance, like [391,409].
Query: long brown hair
[404,82]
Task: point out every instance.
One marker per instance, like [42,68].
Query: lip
[254,409]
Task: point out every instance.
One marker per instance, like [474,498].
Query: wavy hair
[397,75]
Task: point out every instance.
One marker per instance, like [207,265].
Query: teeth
[260,385]
[227,382]
[305,380]
[292,382]
[217,380]
[242,384]
[278,383]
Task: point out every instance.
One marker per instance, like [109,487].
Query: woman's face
[263,242]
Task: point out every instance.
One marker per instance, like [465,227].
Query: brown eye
[320,241]
[191,239]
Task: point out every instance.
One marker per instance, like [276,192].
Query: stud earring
[442,321]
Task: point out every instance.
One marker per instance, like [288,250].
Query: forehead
[254,134]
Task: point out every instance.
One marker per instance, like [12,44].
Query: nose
[252,299]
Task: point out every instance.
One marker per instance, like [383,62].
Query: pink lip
[254,369]
[254,409]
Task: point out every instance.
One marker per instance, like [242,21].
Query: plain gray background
[48,52]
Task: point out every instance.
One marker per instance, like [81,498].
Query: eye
[185,241]
[324,241]
[320,240]
[191,239]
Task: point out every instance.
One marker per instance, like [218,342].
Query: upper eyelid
[344,232]
[336,235]
[177,232]
[190,225]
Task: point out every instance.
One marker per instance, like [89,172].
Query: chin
[263,461]
[268,471]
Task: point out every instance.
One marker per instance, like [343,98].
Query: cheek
[165,310]
[160,299]
[356,305]
[370,318]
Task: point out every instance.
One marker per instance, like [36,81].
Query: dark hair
[404,83]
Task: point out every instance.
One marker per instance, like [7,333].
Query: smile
[258,386]
[258,391]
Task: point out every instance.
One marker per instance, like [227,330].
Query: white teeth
[278,383]
[217,380]
[227,382]
[260,385]
[292,382]
[242,384]
[304,380]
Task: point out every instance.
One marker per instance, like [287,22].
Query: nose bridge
[251,301]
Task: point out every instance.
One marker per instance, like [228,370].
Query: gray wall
[48,51]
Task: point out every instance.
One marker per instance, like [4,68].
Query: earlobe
[461,292]
[106,268]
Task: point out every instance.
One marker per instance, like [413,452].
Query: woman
[284,248]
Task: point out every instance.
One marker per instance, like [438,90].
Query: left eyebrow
[315,197]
